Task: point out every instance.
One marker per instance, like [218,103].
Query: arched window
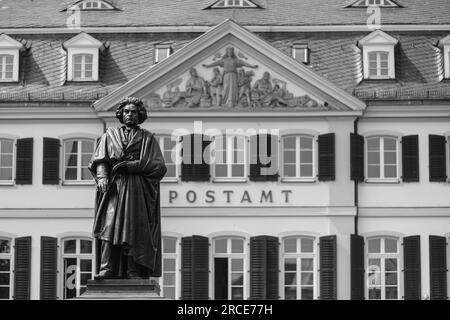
[229,273]
[298,157]
[299,267]
[383,268]
[77,260]
[5,269]
[77,154]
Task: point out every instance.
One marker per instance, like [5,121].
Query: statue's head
[142,112]
[193,72]
[229,51]
[266,76]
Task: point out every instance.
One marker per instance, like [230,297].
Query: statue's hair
[142,112]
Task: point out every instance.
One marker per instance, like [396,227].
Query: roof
[50,13]
[335,56]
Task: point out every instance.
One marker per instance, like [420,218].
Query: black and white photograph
[240,151]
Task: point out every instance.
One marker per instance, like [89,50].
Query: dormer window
[234,4]
[9,59]
[445,45]
[83,58]
[300,52]
[379,3]
[92,5]
[378,55]
[162,51]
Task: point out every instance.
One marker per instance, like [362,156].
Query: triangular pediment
[83,40]
[6,42]
[378,37]
[231,69]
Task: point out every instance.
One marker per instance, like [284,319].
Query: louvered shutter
[50,171]
[257,151]
[326,157]
[195,267]
[49,255]
[264,263]
[356,157]
[22,268]
[191,168]
[328,266]
[24,161]
[357,267]
[411,261]
[410,158]
[437,162]
[438,268]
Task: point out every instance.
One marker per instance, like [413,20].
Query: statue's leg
[132,269]
[106,263]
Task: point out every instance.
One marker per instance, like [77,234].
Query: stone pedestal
[121,289]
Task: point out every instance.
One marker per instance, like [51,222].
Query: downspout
[355,131]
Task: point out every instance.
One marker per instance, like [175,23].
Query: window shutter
[22,268]
[264,272]
[357,267]
[49,256]
[24,162]
[194,171]
[410,158]
[327,157]
[328,266]
[438,268]
[356,157]
[411,260]
[255,163]
[437,163]
[50,171]
[195,268]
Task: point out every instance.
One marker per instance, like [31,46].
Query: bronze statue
[128,165]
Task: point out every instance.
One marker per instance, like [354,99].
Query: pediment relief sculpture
[232,86]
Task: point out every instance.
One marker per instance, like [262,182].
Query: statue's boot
[105,262]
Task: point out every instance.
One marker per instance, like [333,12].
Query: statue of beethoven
[128,165]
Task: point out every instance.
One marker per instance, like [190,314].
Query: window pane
[306,170]
[221,246]
[391,293]
[390,171]
[307,245]
[88,58]
[290,245]
[71,160]
[307,293]
[374,263]
[77,74]
[71,146]
[373,157]
[221,170]
[290,264]
[237,279]
[86,174]
[5,173]
[85,159]
[4,279]
[88,74]
[390,158]
[6,146]
[290,278]
[391,278]
[390,245]
[237,293]
[237,264]
[307,264]
[391,264]
[4,292]
[4,265]
[169,245]
[71,174]
[85,265]
[169,279]
[290,293]
[306,156]
[307,278]
[169,292]
[70,277]
[373,144]
[86,246]
[87,147]
[5,246]
[84,277]
[5,160]
[374,293]
[169,264]
[69,246]
[289,170]
[289,156]
[373,171]
[171,171]
[289,143]
[374,246]
[237,170]
[390,144]
[305,143]
[77,59]
[237,246]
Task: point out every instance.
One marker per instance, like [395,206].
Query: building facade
[307,150]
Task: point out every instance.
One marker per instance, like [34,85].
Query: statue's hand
[102,185]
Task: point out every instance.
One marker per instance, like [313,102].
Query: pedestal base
[121,289]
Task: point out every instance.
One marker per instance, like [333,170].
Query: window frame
[226,4]
[229,163]
[82,5]
[160,47]
[306,52]
[3,65]
[78,256]
[298,256]
[383,4]
[13,165]
[378,62]
[382,256]
[83,67]
[297,177]
[79,161]
[160,137]
[9,256]
[230,255]
[382,177]
[177,256]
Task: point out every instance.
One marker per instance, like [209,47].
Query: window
[444,44]
[6,160]
[300,52]
[171,153]
[6,67]
[378,64]
[234,4]
[5,269]
[382,158]
[383,268]
[229,274]
[77,154]
[9,58]
[162,52]
[77,259]
[82,66]
[299,268]
[92,5]
[169,268]
[380,3]
[230,157]
[298,157]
